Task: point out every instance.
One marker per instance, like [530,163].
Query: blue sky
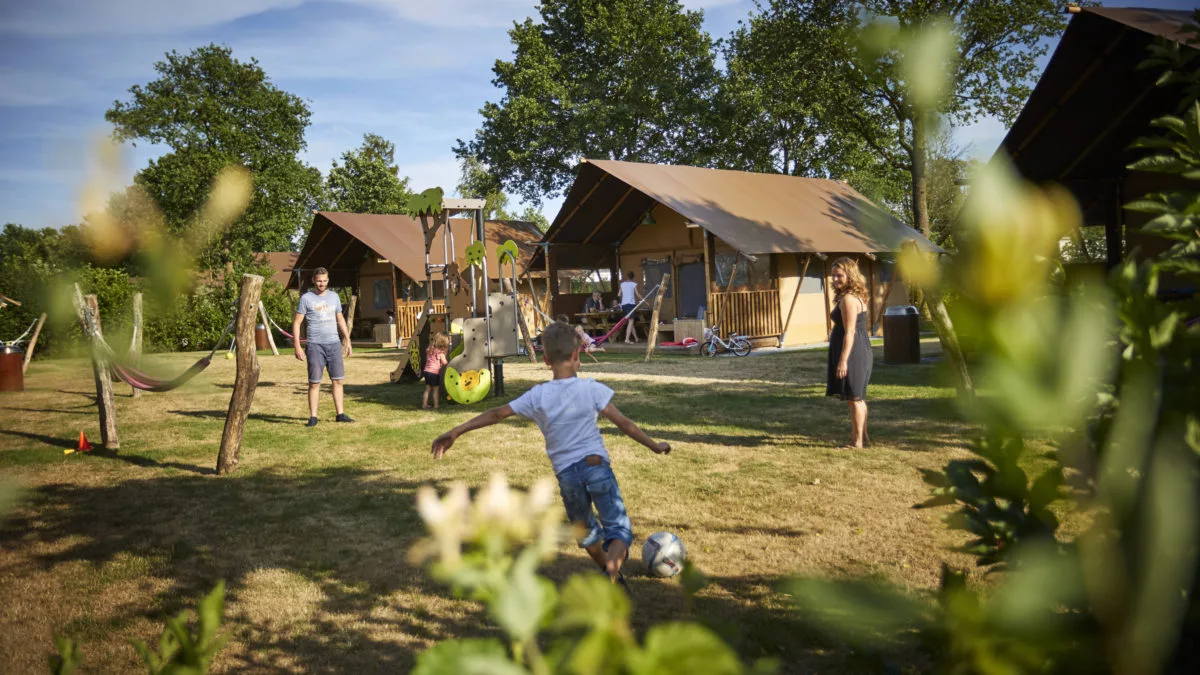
[414,71]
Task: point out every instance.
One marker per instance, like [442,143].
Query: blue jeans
[582,487]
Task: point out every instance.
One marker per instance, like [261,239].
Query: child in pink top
[589,344]
[435,362]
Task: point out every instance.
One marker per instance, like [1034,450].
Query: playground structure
[483,323]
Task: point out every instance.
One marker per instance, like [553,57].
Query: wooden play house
[382,257]
[748,250]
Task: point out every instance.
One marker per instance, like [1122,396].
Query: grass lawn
[311,533]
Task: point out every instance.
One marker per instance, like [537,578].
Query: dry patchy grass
[311,532]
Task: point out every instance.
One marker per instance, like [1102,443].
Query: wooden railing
[751,313]
[406,315]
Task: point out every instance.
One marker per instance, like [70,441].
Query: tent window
[653,270]
[814,280]
[382,292]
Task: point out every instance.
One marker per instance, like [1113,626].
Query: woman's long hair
[856,283]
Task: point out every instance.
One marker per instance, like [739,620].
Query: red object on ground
[84,446]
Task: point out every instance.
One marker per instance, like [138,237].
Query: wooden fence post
[653,329]
[135,341]
[33,342]
[266,322]
[245,381]
[89,319]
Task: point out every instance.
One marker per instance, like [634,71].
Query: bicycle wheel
[741,346]
[709,349]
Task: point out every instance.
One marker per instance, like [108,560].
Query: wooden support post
[708,294]
[551,281]
[135,341]
[266,322]
[887,290]
[733,271]
[33,342]
[825,289]
[246,380]
[795,296]
[89,319]
[652,338]
[350,315]
[525,337]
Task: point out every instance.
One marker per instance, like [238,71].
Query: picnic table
[602,322]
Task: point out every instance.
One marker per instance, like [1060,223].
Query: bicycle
[737,344]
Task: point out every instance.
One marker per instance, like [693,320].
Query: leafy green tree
[616,79]
[998,45]
[475,182]
[214,111]
[367,180]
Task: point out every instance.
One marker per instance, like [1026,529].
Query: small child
[589,343]
[565,410]
[435,362]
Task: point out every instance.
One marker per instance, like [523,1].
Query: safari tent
[382,257]
[749,250]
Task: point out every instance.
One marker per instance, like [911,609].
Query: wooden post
[33,342]
[533,299]
[521,323]
[825,289]
[266,322]
[135,341]
[871,296]
[795,296]
[246,379]
[350,315]
[733,271]
[89,319]
[887,290]
[551,281]
[708,263]
[653,330]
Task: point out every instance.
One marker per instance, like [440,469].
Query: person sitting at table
[594,303]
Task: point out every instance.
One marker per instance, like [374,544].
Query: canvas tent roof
[1093,101]
[340,242]
[756,213]
[282,262]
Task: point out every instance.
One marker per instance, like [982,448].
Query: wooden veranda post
[708,289]
[33,342]
[653,329]
[135,342]
[266,322]
[825,289]
[89,320]
[246,380]
[551,281]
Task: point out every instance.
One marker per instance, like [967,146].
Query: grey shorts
[324,356]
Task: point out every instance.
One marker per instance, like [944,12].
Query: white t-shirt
[628,292]
[565,410]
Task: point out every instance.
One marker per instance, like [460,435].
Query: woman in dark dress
[850,347]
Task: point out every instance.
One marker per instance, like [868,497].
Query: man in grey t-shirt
[322,309]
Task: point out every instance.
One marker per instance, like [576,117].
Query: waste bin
[901,335]
[11,376]
[260,337]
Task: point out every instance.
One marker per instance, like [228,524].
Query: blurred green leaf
[592,601]
[683,649]
[467,656]
[861,612]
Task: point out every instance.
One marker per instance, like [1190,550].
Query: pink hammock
[141,380]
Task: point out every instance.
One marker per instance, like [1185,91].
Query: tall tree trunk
[920,179]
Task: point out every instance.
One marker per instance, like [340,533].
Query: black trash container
[901,335]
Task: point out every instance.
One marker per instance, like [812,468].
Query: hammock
[284,332]
[139,379]
[620,324]
[20,339]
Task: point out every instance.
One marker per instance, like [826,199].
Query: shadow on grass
[42,438]
[345,530]
[221,414]
[88,410]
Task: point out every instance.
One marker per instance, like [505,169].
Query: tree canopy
[214,111]
[367,180]
[616,79]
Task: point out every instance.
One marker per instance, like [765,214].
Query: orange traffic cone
[84,446]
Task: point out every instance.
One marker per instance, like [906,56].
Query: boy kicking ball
[565,409]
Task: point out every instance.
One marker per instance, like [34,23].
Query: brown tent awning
[1092,102]
[756,213]
[341,242]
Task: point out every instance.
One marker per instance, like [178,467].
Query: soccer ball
[663,554]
